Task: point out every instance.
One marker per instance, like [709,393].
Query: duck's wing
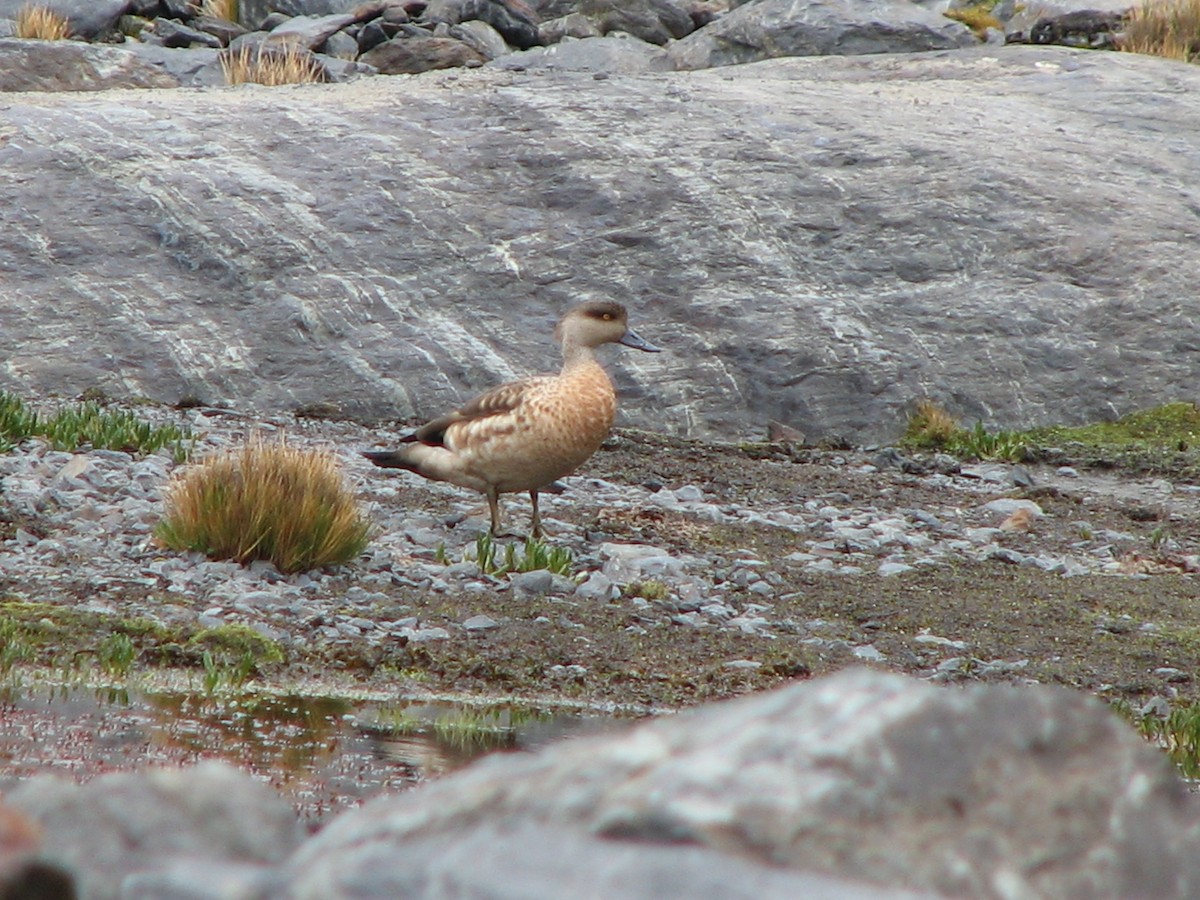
[490,408]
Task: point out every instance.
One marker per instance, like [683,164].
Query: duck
[526,434]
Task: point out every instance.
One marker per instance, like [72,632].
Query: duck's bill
[637,342]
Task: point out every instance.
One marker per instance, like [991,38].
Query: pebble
[480,623]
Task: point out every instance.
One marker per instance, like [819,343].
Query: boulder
[174,35]
[121,823]
[814,241]
[409,56]
[252,13]
[510,20]
[482,38]
[771,28]
[989,791]
[574,25]
[195,67]
[1020,19]
[21,874]
[310,32]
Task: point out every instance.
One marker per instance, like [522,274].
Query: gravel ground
[700,571]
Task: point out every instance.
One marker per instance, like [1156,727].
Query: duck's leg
[536,525]
[493,498]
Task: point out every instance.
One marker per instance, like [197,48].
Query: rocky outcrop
[347,35]
[75,66]
[771,28]
[860,785]
[816,241]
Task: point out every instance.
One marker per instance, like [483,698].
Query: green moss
[1173,426]
[238,641]
[1178,733]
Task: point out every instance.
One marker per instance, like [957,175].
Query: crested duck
[523,435]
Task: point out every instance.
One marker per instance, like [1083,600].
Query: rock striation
[816,241]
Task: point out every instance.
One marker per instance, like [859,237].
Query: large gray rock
[310,31]
[413,55]
[817,241]
[191,67]
[118,824]
[766,29]
[535,861]
[991,791]
[75,66]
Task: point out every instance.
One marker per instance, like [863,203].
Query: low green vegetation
[232,654]
[266,501]
[494,559]
[1170,428]
[931,427]
[650,589]
[1178,733]
[116,654]
[463,727]
[76,644]
[15,644]
[88,425]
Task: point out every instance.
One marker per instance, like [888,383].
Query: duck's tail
[392,459]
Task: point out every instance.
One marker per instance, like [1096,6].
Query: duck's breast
[559,424]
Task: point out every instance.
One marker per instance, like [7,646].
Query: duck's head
[599,322]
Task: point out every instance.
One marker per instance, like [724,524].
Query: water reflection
[324,754]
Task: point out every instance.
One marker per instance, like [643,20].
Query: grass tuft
[265,501]
[271,66]
[116,654]
[929,425]
[493,559]
[1169,29]
[225,10]
[41,24]
[978,18]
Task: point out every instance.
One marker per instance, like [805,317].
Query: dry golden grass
[1169,28]
[930,425]
[265,501]
[274,66]
[226,10]
[40,23]
[978,18]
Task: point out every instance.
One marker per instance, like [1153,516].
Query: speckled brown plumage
[523,435]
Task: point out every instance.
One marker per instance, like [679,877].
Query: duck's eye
[607,317]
